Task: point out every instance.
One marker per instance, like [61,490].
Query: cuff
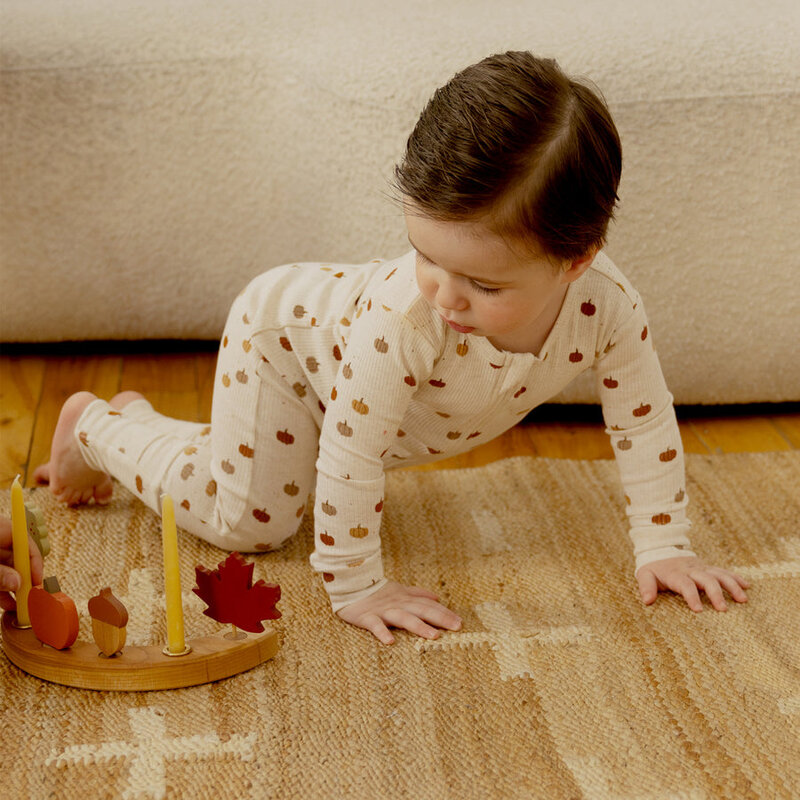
[339,601]
[660,554]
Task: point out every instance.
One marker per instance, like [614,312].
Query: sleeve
[640,420]
[384,361]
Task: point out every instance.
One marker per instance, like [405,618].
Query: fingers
[419,592]
[376,626]
[7,602]
[418,618]
[648,586]
[689,581]
[686,586]
[9,579]
[713,581]
[407,607]
[9,582]
[711,587]
[410,622]
[734,584]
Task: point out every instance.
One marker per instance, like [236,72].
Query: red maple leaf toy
[232,597]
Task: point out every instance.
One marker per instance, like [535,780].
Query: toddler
[329,374]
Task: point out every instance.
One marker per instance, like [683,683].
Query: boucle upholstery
[156,155]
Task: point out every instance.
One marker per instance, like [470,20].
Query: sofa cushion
[155,156]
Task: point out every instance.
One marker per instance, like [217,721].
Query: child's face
[479,285]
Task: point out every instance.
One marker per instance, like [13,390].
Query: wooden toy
[37,528]
[109,618]
[53,614]
[229,592]
[232,596]
[136,668]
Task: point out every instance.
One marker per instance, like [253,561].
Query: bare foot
[119,401]
[71,479]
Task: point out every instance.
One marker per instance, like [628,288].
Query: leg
[250,478]
[138,407]
[236,483]
[71,479]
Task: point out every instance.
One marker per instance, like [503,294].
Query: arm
[641,423]
[366,408]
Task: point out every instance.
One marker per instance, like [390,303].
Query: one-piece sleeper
[329,374]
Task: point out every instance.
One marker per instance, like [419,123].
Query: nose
[449,296]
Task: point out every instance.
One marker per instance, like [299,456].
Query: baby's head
[514,144]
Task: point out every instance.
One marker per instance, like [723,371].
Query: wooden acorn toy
[109,620]
[53,614]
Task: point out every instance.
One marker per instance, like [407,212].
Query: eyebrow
[461,274]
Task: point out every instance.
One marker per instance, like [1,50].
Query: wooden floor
[34,382]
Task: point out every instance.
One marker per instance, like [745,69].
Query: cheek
[425,282]
[500,314]
[494,312]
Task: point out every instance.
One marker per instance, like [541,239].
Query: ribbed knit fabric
[329,374]
[400,387]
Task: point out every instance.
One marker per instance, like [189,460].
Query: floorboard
[178,380]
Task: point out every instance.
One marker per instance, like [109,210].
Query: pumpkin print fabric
[330,374]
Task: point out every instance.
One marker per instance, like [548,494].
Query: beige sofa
[156,154]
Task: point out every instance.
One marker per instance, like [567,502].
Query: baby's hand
[684,575]
[9,577]
[401,606]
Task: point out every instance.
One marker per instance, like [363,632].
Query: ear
[578,266]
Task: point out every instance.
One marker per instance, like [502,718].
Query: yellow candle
[22,558]
[172,578]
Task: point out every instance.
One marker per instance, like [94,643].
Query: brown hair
[513,142]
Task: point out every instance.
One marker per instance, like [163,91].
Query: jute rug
[561,685]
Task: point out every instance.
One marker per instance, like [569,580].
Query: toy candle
[172,578]
[22,558]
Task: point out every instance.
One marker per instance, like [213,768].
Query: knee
[255,531]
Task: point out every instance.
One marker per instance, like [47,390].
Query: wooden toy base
[136,669]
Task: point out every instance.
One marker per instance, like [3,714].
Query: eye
[485,289]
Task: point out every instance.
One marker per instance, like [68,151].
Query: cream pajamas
[330,374]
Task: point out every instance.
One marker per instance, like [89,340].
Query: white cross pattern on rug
[491,531]
[789,705]
[511,646]
[790,568]
[149,751]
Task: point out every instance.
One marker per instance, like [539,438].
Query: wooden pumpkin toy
[53,614]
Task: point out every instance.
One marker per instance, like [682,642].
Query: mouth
[458,328]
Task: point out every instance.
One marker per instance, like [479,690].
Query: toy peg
[37,528]
[109,620]
[53,614]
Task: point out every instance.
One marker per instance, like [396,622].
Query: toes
[60,494]
[42,474]
[102,494]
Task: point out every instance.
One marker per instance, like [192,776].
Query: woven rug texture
[560,685]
